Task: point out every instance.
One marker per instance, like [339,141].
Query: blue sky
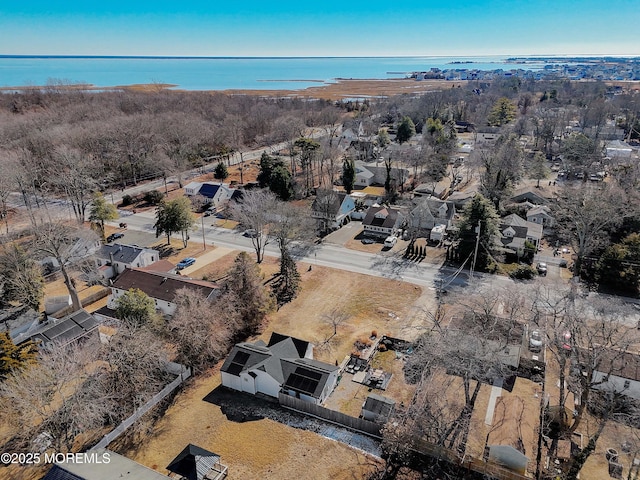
[321,28]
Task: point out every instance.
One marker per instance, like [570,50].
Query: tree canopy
[502,112]
[101,211]
[406,130]
[478,212]
[174,216]
[348,174]
[135,307]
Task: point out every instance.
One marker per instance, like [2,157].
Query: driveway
[344,234]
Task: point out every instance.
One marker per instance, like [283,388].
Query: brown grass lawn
[261,449]
[364,299]
[266,449]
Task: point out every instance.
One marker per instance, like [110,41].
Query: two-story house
[112,260]
[284,365]
[332,209]
[382,221]
[429,213]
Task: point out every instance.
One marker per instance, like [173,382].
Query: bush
[523,272]
[127,200]
[153,197]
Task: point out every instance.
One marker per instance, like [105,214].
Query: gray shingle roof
[121,253]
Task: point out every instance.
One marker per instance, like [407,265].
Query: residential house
[430,212]
[541,214]
[216,194]
[102,464]
[332,209]
[112,260]
[67,330]
[161,287]
[619,372]
[515,231]
[372,174]
[284,365]
[364,176]
[618,149]
[382,221]
[532,195]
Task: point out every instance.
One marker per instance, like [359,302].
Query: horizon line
[275,57]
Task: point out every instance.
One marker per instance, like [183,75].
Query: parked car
[390,241]
[535,341]
[563,264]
[185,262]
[251,233]
[114,236]
[368,240]
[541,268]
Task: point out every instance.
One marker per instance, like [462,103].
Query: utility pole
[475,252]
[204,241]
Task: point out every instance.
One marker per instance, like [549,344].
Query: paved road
[115,196]
[385,264]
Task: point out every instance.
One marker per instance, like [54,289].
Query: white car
[535,341]
[390,241]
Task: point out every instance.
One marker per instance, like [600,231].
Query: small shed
[377,408]
[195,463]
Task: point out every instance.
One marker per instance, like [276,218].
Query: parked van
[390,241]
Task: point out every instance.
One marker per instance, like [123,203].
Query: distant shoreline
[341,89]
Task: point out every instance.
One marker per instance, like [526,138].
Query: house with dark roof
[102,464]
[382,221]
[216,194]
[284,365]
[529,194]
[332,209]
[617,371]
[195,463]
[541,214]
[75,326]
[114,259]
[161,287]
[515,231]
[430,212]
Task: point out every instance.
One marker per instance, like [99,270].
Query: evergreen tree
[15,357]
[267,164]
[502,112]
[348,174]
[281,182]
[246,291]
[478,211]
[221,172]
[406,130]
[287,286]
[174,216]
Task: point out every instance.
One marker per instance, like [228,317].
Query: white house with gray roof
[285,364]
[112,260]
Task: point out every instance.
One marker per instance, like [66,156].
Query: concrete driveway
[344,234]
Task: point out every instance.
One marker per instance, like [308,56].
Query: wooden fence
[353,423]
[120,429]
